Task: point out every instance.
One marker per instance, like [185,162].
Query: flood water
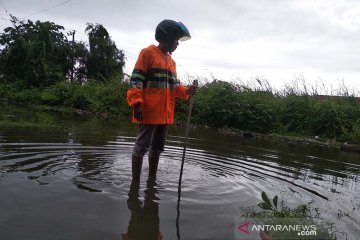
[72,181]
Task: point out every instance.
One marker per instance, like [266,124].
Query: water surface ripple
[78,187]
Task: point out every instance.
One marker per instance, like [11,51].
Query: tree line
[39,54]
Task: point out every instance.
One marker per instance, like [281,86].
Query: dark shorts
[151,137]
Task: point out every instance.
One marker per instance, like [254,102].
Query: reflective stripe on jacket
[154,85]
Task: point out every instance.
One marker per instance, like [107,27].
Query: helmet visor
[186,33]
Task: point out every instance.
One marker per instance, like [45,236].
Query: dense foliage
[104,59]
[223,104]
[40,55]
[34,54]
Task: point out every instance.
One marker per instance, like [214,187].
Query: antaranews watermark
[279,228]
[277,221]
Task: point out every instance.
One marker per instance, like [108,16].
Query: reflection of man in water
[144,221]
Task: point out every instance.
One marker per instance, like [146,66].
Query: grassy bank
[219,104]
[234,106]
[95,98]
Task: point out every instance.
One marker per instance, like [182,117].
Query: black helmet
[169,29]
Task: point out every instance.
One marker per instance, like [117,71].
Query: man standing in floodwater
[154,87]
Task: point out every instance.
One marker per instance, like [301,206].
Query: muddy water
[69,178]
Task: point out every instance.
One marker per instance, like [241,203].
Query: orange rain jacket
[154,85]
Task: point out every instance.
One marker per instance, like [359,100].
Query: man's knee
[156,150]
[139,151]
[155,153]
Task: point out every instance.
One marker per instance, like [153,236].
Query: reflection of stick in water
[144,221]
[178,216]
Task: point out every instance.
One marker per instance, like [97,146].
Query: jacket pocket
[154,101]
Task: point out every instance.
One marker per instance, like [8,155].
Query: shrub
[296,114]
[58,94]
[217,105]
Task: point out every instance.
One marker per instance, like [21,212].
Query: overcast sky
[280,40]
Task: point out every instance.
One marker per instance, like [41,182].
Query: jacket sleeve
[180,92]
[138,77]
